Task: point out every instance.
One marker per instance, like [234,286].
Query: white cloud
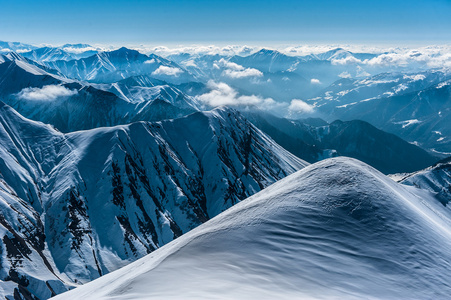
[237,71]
[169,71]
[229,50]
[150,61]
[230,65]
[22,50]
[299,106]
[426,57]
[388,59]
[48,92]
[316,49]
[315,81]
[345,75]
[387,56]
[436,56]
[349,60]
[249,72]
[76,50]
[223,94]
[189,63]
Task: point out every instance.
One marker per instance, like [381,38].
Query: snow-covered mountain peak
[337,53]
[336,229]
[101,198]
[47,54]
[10,56]
[125,52]
[76,46]
[266,52]
[12,118]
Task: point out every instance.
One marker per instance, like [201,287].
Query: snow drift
[337,229]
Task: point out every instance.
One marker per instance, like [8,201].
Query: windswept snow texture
[337,229]
[77,206]
[436,179]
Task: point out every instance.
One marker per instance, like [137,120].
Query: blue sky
[183,22]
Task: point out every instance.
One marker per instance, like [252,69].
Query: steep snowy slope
[18,72]
[340,53]
[347,92]
[45,95]
[108,67]
[337,229]
[323,67]
[143,88]
[45,54]
[79,50]
[267,61]
[436,179]
[79,205]
[65,53]
[28,151]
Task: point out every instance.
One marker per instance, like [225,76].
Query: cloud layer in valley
[299,106]
[223,94]
[236,71]
[46,93]
[168,71]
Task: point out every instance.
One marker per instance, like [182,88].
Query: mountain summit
[77,206]
[337,229]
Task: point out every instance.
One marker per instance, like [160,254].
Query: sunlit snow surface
[337,229]
[63,196]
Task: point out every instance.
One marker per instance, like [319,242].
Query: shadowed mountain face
[315,139]
[109,67]
[77,206]
[416,107]
[422,117]
[337,229]
[46,95]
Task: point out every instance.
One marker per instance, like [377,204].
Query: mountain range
[337,229]
[315,139]
[48,96]
[112,66]
[204,174]
[77,206]
[82,106]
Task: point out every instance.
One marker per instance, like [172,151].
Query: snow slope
[77,206]
[46,95]
[436,179]
[414,106]
[45,54]
[337,229]
[112,66]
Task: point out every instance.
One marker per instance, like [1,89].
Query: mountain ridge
[85,203]
[307,236]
